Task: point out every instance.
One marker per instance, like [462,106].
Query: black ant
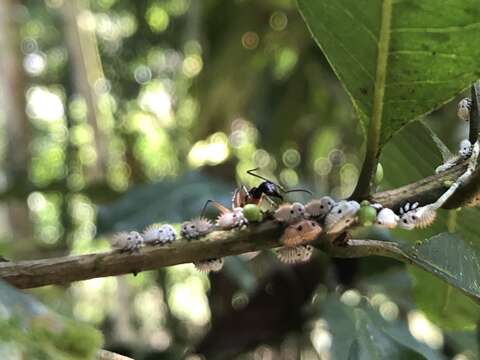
[267,189]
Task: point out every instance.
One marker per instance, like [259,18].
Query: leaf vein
[429,53]
[447,29]
[342,45]
[429,82]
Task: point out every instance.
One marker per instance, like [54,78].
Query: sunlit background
[116,114]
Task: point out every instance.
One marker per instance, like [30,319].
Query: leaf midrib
[375,124]
[381,71]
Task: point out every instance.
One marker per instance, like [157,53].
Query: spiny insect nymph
[228,219]
[413,216]
[195,228]
[465,148]
[232,219]
[318,208]
[159,234]
[342,215]
[300,232]
[206,266]
[463,109]
[387,218]
[293,255]
[127,241]
[290,213]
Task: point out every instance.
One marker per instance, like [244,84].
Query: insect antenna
[216,205]
[299,190]
[251,172]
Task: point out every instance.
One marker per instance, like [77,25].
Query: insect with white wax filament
[228,219]
[267,190]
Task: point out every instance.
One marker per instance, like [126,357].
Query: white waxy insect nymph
[206,266]
[342,215]
[159,234]
[128,241]
[464,151]
[290,213]
[463,109]
[297,211]
[293,255]
[319,207]
[195,228]
[465,148]
[387,218]
[232,219]
[413,216]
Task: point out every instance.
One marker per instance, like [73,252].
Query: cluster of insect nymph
[302,223]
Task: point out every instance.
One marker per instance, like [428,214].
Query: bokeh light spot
[157,18]
[291,158]
[278,21]
[250,40]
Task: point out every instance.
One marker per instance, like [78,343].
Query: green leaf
[443,304]
[450,257]
[361,333]
[397,59]
[30,330]
[457,262]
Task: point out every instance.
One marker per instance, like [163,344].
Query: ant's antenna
[251,172]
[205,207]
[299,190]
[216,204]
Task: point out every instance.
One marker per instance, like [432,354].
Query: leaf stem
[372,154]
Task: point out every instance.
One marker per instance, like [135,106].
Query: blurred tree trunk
[18,135]
[86,70]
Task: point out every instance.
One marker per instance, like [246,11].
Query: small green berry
[379,174]
[365,203]
[252,212]
[367,215]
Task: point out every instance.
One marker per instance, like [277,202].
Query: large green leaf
[456,261]
[361,333]
[398,59]
[443,304]
[450,257]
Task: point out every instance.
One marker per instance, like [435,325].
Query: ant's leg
[272,203]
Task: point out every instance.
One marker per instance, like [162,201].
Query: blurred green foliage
[28,330]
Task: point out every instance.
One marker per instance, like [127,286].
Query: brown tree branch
[35,273]
[62,270]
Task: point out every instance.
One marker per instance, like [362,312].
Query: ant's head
[272,189]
